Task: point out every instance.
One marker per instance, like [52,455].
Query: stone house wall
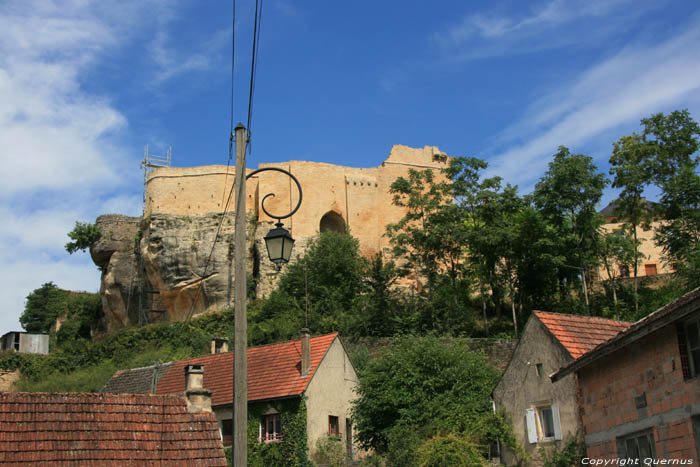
[521,388]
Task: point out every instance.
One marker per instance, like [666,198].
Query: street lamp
[279,245]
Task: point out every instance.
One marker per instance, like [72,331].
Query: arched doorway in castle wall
[334,222]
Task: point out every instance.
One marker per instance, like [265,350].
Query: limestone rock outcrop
[158,268]
[163,267]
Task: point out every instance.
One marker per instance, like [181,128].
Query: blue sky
[85,85]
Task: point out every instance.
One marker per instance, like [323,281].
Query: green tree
[328,280]
[669,145]
[43,306]
[430,239]
[471,193]
[425,383]
[450,450]
[83,236]
[567,195]
[617,250]
[630,164]
[380,303]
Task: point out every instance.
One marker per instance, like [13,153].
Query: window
[624,270]
[348,437]
[689,346]
[650,269]
[639,445]
[17,341]
[538,367]
[227,432]
[333,427]
[271,428]
[543,424]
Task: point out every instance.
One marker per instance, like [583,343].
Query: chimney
[198,399]
[305,351]
[219,345]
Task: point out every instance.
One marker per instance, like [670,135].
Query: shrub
[330,452]
[451,450]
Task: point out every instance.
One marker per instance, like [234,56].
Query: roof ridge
[582,317]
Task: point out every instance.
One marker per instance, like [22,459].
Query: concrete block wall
[650,367]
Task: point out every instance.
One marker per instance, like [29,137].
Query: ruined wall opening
[334,222]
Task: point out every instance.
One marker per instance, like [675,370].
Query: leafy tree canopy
[42,308]
[423,383]
[83,236]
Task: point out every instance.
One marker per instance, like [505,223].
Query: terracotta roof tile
[580,334]
[136,380]
[273,371]
[105,429]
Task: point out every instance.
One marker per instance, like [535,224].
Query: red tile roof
[106,430]
[580,334]
[667,314]
[274,371]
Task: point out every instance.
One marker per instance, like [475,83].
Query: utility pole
[240,364]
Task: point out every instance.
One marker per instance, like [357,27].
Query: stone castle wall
[156,268]
[359,197]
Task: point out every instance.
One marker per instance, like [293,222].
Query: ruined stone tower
[152,267]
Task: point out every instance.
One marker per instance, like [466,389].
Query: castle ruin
[153,267]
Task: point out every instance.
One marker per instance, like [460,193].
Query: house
[639,392]
[651,263]
[110,430]
[544,414]
[306,385]
[20,341]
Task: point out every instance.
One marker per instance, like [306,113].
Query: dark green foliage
[83,236]
[291,450]
[330,452]
[42,308]
[421,382]
[570,455]
[451,450]
[331,274]
[79,364]
[402,445]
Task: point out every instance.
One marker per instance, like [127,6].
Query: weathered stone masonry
[152,267]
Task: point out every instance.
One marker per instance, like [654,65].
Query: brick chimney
[305,351]
[219,345]
[198,399]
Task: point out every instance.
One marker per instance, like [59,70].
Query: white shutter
[531,427]
[557,422]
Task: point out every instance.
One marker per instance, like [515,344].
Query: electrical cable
[254,63]
[228,164]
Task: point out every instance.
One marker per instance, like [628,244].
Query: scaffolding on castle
[153,161]
[148,301]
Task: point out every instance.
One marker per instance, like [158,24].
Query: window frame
[694,370]
[535,426]
[333,426]
[277,429]
[226,431]
[622,443]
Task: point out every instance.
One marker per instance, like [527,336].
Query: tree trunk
[636,261]
[483,304]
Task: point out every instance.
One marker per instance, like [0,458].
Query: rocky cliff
[158,268]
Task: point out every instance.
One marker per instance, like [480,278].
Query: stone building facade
[157,267]
[334,197]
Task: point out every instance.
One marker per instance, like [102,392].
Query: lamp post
[279,245]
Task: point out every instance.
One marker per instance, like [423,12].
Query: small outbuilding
[544,414]
[21,341]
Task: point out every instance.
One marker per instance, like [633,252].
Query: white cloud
[634,83]
[552,24]
[63,151]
